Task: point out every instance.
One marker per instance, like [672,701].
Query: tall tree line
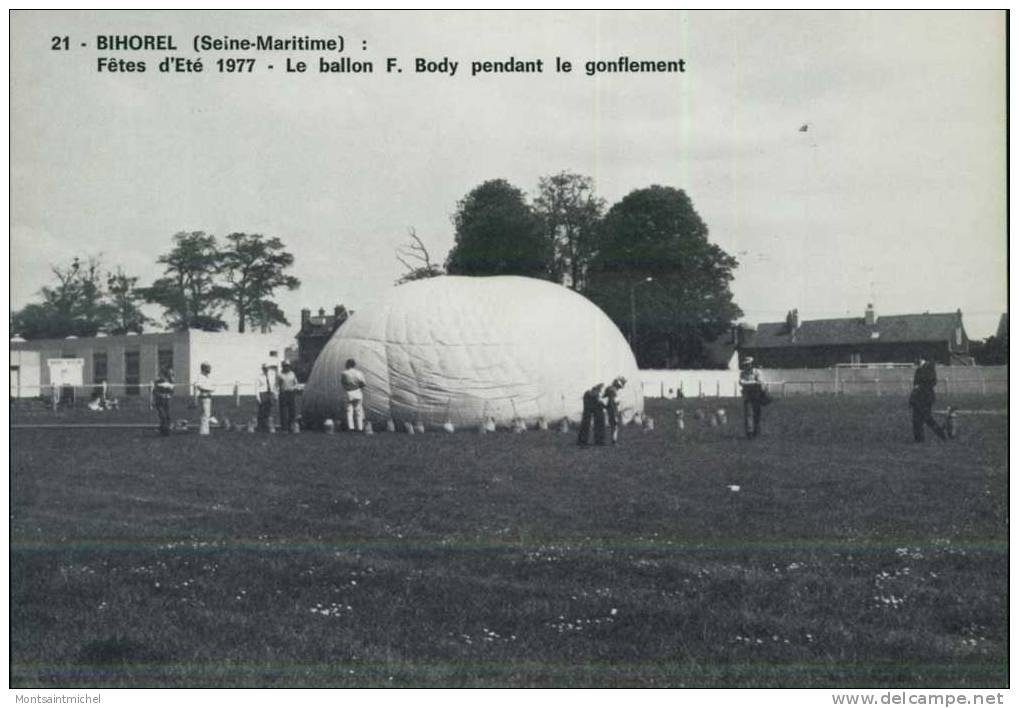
[646,261]
[202,280]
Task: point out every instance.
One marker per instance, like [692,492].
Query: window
[100,368]
[855,358]
[164,359]
[132,372]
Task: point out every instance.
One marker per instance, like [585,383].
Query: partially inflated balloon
[462,349]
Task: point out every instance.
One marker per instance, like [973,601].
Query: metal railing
[120,395]
[873,381]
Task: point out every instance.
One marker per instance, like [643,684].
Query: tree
[254,268]
[993,351]
[75,305]
[497,234]
[412,252]
[656,272]
[125,315]
[39,321]
[570,213]
[188,292]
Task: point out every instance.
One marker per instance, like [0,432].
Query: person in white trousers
[203,396]
[353,384]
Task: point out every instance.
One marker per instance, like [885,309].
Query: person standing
[266,390]
[353,384]
[612,407]
[591,413]
[162,392]
[753,396]
[203,397]
[288,387]
[921,400]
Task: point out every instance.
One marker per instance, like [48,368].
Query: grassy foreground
[849,556]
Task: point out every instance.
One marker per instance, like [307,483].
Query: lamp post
[633,310]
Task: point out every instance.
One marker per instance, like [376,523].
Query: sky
[894,194]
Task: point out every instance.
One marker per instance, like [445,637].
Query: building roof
[322,325]
[318,327]
[927,327]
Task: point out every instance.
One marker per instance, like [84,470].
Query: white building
[129,363]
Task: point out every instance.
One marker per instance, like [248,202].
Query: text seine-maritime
[271,43]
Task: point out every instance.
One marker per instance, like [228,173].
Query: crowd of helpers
[599,421]
[274,389]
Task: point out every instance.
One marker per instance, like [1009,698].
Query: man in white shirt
[353,384]
[267,391]
[203,395]
[288,387]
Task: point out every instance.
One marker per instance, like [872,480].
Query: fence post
[735,389]
[718,388]
[662,389]
[700,388]
[877,385]
[237,394]
[811,387]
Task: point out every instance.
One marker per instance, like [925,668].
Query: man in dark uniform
[592,413]
[753,397]
[162,392]
[921,400]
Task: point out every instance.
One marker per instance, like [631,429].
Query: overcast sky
[894,194]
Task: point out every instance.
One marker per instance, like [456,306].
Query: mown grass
[850,556]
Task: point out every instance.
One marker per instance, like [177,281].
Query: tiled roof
[928,327]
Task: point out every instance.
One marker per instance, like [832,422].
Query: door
[132,372]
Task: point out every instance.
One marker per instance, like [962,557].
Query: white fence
[689,383]
[873,381]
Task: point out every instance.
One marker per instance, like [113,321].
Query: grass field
[849,556]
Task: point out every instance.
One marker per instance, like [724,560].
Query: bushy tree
[498,234]
[254,268]
[124,304]
[570,213]
[659,278]
[188,292]
[76,304]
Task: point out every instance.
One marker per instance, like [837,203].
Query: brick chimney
[305,317]
[792,323]
[869,316]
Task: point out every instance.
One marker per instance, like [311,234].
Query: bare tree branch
[412,252]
